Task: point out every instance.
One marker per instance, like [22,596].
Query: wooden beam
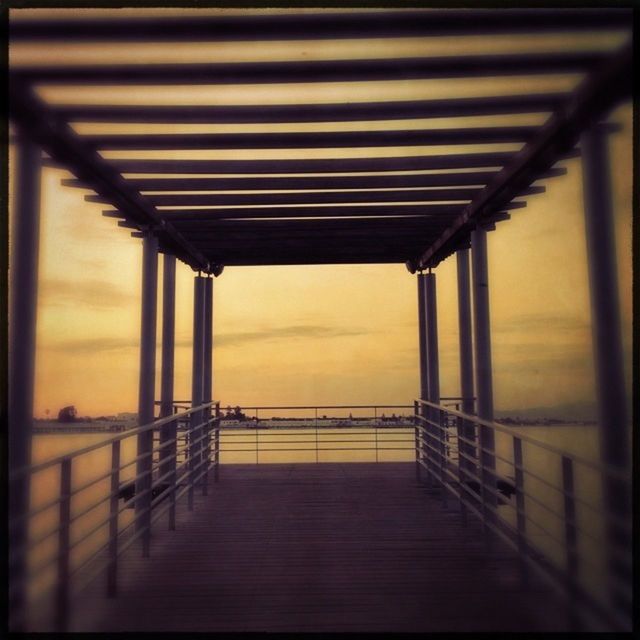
[597,94]
[264,260]
[283,72]
[263,235]
[310,140]
[330,165]
[310,198]
[315,225]
[360,211]
[321,25]
[384,181]
[339,112]
[128,225]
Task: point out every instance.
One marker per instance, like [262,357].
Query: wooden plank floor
[326,547]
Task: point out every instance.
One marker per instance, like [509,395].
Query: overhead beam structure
[597,94]
[394,206]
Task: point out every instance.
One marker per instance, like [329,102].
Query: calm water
[356,445]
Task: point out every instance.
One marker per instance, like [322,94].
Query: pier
[330,547]
[444,520]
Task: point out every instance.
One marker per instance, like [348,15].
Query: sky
[314,335]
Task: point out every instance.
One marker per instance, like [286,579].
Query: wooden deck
[326,547]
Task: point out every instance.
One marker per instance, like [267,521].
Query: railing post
[570,537]
[173,478]
[461,472]
[23,273]
[62,583]
[112,569]
[521,520]
[189,458]
[147,385]
[376,436]
[217,443]
[484,376]
[608,355]
[416,421]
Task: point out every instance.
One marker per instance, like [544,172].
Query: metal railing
[317,435]
[540,499]
[543,501]
[70,540]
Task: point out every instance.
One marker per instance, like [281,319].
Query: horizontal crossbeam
[340,112]
[330,165]
[308,198]
[322,25]
[384,181]
[283,72]
[311,140]
[199,215]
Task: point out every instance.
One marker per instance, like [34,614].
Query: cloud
[534,360]
[87,293]
[94,345]
[291,332]
[118,343]
[541,322]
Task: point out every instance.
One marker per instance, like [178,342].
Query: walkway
[329,547]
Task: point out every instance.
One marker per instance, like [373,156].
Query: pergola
[401,208]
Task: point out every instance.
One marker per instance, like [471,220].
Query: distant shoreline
[53,427]
[82,426]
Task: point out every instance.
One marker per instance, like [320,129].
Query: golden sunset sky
[321,334]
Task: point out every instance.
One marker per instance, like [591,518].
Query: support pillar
[146,390]
[208,341]
[22,343]
[607,351]
[207,374]
[168,334]
[424,379]
[196,382]
[168,432]
[466,429]
[483,369]
[433,368]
